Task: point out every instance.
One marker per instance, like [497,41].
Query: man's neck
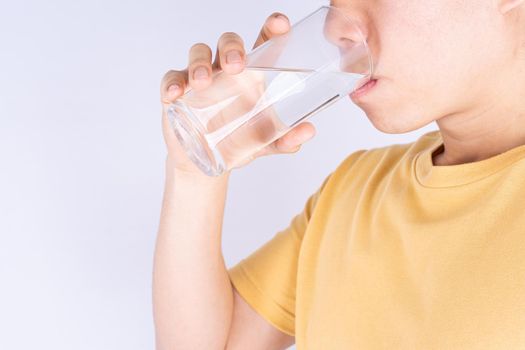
[497,125]
[484,135]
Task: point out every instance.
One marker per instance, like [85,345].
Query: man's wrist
[196,174]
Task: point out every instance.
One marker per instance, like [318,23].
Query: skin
[188,249]
[465,69]
[457,62]
[176,82]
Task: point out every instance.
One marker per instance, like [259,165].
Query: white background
[82,162]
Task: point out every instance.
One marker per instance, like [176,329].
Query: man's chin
[395,125]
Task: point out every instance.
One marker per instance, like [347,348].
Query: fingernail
[233,56]
[280,24]
[282,18]
[173,90]
[200,73]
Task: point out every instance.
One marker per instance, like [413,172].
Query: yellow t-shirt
[393,252]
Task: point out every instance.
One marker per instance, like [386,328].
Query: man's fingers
[292,141]
[173,85]
[199,66]
[276,24]
[295,137]
[230,53]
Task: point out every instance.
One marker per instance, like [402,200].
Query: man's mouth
[361,83]
[363,86]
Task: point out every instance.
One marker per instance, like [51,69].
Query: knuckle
[171,77]
[230,36]
[230,40]
[295,150]
[170,74]
[167,76]
[199,62]
[200,47]
[279,146]
[200,55]
[287,145]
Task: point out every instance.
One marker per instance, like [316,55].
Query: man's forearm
[192,294]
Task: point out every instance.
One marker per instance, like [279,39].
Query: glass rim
[350,20]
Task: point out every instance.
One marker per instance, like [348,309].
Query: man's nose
[347,29]
[344,25]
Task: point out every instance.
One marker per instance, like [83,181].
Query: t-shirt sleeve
[266,279]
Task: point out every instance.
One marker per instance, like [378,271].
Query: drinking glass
[286,80]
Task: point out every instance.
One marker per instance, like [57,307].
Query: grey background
[82,162]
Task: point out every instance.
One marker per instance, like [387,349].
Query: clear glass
[286,80]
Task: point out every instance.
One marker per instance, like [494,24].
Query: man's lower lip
[363,89]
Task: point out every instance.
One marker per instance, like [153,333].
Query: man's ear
[505,6]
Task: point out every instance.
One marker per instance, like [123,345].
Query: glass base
[191,136]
